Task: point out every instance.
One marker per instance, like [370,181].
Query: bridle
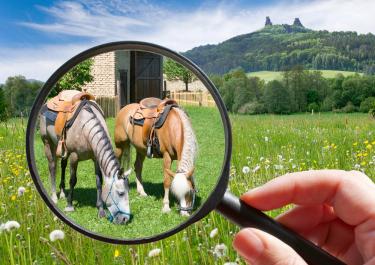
[119,211]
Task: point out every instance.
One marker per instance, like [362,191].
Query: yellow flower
[359,154]
[369,146]
[365,154]
[117,253]
[365,142]
[363,163]
[355,144]
[13,198]
[373,142]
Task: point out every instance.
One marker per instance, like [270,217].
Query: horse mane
[190,147]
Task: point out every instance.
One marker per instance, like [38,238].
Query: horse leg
[64,163]
[138,172]
[99,182]
[167,162]
[51,157]
[122,153]
[72,182]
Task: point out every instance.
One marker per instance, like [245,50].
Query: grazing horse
[177,141]
[88,138]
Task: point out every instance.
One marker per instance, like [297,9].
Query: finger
[304,218]
[260,248]
[347,192]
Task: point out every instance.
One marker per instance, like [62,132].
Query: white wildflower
[21,191]
[279,167]
[10,225]
[154,252]
[280,157]
[220,250]
[2,228]
[214,233]
[266,139]
[255,169]
[261,158]
[56,235]
[55,218]
[245,170]
[230,263]
[357,166]
[294,166]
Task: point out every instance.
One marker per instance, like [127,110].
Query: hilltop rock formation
[297,22]
[268,22]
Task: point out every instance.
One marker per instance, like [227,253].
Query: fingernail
[248,244]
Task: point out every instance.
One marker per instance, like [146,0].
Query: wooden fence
[111,104]
[198,98]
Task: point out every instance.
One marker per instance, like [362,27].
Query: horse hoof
[69,209]
[101,214]
[62,195]
[184,213]
[166,209]
[143,194]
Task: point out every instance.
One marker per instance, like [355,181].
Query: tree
[176,71]
[3,105]
[75,78]
[277,98]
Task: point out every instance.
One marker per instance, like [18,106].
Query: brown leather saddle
[65,104]
[151,114]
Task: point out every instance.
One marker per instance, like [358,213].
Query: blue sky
[36,37]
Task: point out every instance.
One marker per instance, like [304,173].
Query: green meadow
[268,145]
[277,75]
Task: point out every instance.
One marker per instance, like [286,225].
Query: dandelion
[21,191]
[56,235]
[117,253]
[2,228]
[245,170]
[214,233]
[369,146]
[13,197]
[279,167]
[266,139]
[363,163]
[154,252]
[357,166]
[10,225]
[256,169]
[220,250]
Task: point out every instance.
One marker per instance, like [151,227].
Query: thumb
[258,248]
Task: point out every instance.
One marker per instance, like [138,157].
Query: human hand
[335,209]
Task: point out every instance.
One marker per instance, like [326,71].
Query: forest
[300,90]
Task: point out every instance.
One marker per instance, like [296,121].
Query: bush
[367,105]
[313,106]
[349,108]
[253,107]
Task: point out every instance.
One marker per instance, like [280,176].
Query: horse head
[115,194]
[183,187]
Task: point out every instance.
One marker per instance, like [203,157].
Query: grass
[275,75]
[148,219]
[277,144]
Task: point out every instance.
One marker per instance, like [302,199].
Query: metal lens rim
[221,185]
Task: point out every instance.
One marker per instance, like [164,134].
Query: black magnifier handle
[246,216]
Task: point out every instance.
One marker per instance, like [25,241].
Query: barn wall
[103,71]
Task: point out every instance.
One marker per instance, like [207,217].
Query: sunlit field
[264,147]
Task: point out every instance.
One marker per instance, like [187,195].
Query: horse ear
[191,172]
[169,172]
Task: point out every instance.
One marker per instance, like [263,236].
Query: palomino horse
[177,141]
[87,138]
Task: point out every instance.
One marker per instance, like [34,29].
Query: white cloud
[103,21]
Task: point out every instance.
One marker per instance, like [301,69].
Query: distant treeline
[299,90]
[17,96]
[275,48]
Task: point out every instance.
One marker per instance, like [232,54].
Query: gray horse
[88,138]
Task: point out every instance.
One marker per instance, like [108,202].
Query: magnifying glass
[148,142]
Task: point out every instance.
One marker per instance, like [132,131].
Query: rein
[119,211]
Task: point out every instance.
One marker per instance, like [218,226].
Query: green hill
[277,47]
[277,75]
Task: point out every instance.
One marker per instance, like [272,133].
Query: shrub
[313,106]
[253,107]
[367,104]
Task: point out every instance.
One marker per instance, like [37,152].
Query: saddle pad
[51,115]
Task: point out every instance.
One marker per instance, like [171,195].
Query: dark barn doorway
[146,75]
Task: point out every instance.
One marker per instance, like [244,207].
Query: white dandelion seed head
[56,235]
[10,225]
[220,251]
[55,218]
[2,228]
[261,158]
[154,252]
[280,157]
[21,191]
[357,166]
[245,170]
[214,233]
[230,263]
[266,139]
[279,167]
